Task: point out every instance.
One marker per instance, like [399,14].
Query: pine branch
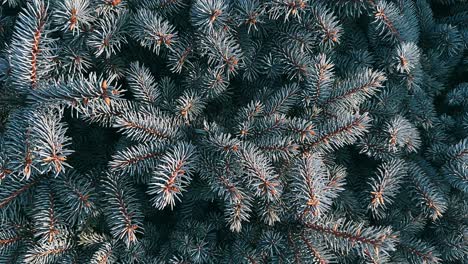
[249,13]
[352,92]
[250,115]
[320,81]
[429,196]
[108,37]
[317,253]
[10,240]
[138,159]
[142,83]
[407,58]
[74,16]
[287,9]
[122,210]
[301,130]
[456,172]
[221,174]
[105,115]
[458,96]
[282,101]
[209,16]
[261,177]
[47,220]
[214,83]
[402,135]
[277,148]
[298,37]
[250,112]
[146,124]
[78,92]
[31,60]
[190,105]
[296,65]
[104,254]
[47,253]
[339,132]
[271,244]
[447,40]
[15,190]
[310,182]
[19,146]
[173,175]
[219,142]
[459,151]
[51,144]
[385,187]
[352,8]
[77,196]
[180,56]
[76,61]
[375,241]
[326,25]
[223,52]
[387,20]
[418,251]
[151,31]
[265,126]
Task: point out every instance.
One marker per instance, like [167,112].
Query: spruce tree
[233,131]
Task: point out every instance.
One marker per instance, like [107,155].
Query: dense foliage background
[233,131]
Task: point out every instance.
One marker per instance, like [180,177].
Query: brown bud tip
[215,14]
[115,2]
[104,85]
[107,100]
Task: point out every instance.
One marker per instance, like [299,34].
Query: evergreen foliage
[233,131]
